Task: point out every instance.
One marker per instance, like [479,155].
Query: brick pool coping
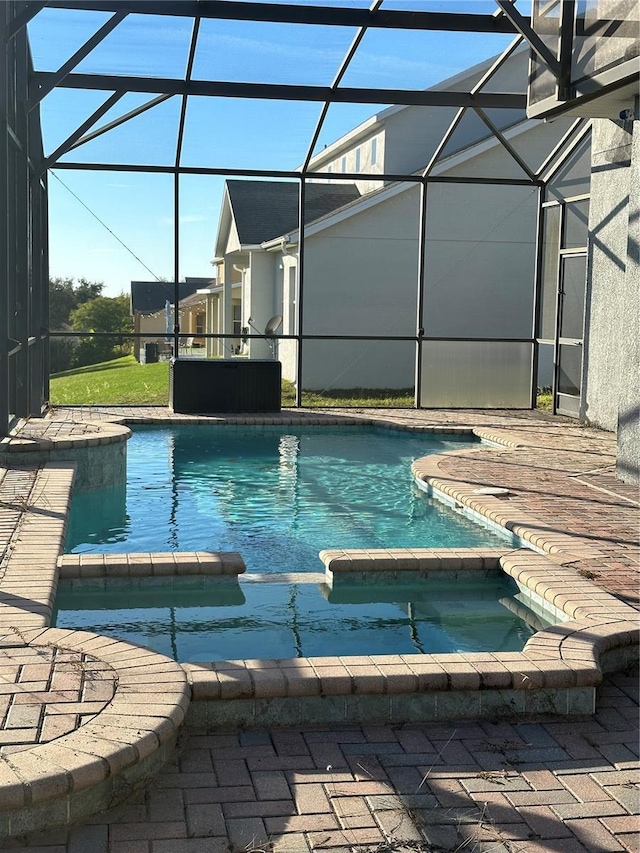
[117,751]
[557,671]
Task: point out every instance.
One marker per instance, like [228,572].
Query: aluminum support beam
[183,106]
[523,26]
[550,158]
[55,78]
[76,139]
[19,248]
[284,92]
[344,65]
[506,144]
[6,49]
[300,291]
[281,173]
[300,14]
[23,18]
[567,24]
[72,140]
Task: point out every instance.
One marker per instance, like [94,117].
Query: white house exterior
[602,81]
[362,265]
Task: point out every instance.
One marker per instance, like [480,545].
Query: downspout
[242,270]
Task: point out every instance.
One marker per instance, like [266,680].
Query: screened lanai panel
[389,59]
[552,220]
[504,119]
[512,75]
[142,45]
[410,137]
[573,177]
[148,139]
[473,138]
[489,161]
[264,52]
[64,110]
[573,277]
[200,206]
[345,119]
[56,34]
[576,225]
[535,141]
[123,232]
[361,261]
[546,23]
[353,372]
[227,226]
[476,374]
[243,133]
[479,261]
[593,54]
[473,7]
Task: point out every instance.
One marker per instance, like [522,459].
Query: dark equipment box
[214,385]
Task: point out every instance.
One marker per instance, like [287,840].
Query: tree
[65,296]
[102,314]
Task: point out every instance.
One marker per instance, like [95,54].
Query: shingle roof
[147,297]
[264,210]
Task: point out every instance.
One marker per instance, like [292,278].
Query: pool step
[160,564]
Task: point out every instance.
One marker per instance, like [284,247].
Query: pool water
[278,495]
[195,619]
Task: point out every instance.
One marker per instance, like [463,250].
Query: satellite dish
[273,325]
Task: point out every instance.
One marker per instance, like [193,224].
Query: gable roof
[148,297]
[263,210]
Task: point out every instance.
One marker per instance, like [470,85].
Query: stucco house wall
[360,278]
[480,260]
[611,366]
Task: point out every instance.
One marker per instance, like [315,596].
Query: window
[344,164]
[200,318]
[374,151]
[357,159]
[237,319]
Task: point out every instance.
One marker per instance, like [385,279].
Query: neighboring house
[153,316]
[361,253]
[254,212]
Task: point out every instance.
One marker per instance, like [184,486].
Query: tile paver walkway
[488,787]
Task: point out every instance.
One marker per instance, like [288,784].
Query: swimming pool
[199,619]
[276,494]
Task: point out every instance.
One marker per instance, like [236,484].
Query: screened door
[573,272]
[561,322]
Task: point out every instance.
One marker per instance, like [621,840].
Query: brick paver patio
[466,787]
[46,693]
[507,787]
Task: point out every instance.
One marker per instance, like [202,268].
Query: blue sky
[237,133]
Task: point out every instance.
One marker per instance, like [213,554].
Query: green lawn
[356,397]
[544,399]
[116,382]
[123,381]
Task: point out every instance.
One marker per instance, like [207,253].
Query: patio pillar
[227,308]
